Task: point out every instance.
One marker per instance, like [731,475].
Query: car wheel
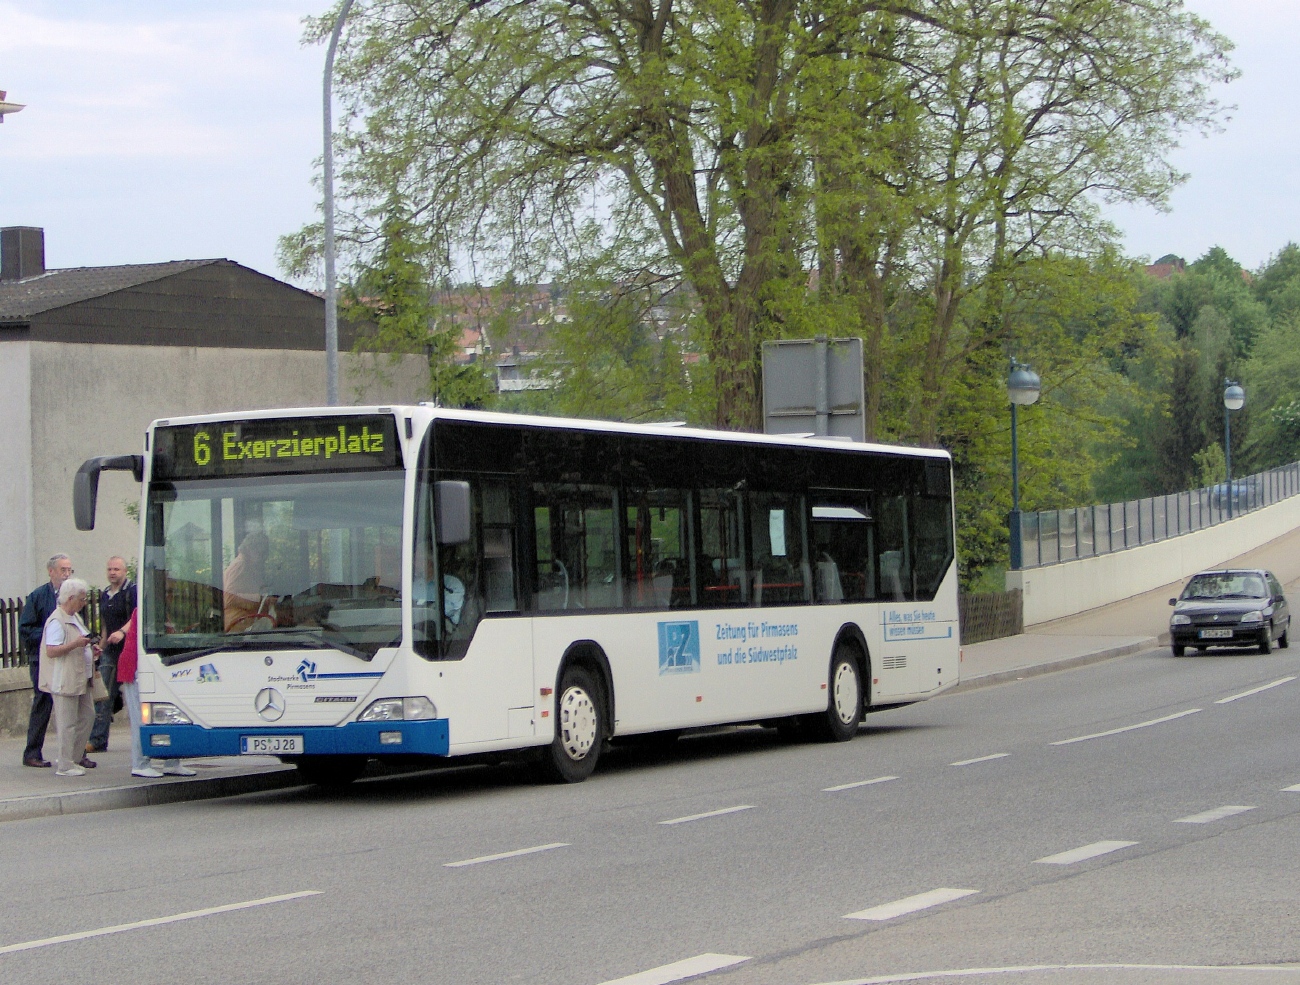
[1266,640]
[1178,649]
[579,728]
[1282,641]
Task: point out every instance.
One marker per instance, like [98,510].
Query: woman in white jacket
[67,667]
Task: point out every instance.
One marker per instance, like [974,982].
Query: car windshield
[1226,585]
[296,562]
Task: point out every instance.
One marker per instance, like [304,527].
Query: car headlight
[1180,620]
[1256,616]
[162,713]
[399,710]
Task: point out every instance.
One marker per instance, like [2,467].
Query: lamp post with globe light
[1023,388]
[331,288]
[1234,398]
[7,107]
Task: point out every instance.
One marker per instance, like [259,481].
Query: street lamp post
[8,107]
[331,288]
[1234,398]
[1023,388]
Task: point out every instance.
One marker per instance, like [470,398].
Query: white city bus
[331,586]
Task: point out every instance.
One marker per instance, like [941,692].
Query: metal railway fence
[1053,536]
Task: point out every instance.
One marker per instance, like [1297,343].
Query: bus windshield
[267,562]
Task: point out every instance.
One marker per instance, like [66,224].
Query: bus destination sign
[276,447]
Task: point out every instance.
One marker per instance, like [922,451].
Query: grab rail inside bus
[85,484]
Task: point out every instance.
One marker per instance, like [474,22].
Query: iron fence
[990,615]
[1053,536]
[11,644]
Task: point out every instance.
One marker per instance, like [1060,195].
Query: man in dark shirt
[116,603]
[31,624]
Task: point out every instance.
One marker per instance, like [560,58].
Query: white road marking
[924,976]
[156,921]
[858,783]
[1254,690]
[1291,789]
[701,964]
[717,813]
[981,759]
[1126,728]
[515,854]
[1086,852]
[1218,814]
[921,901]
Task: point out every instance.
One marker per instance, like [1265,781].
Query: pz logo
[679,647]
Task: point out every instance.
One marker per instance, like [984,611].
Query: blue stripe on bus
[424,738]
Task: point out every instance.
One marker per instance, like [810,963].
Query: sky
[179,129]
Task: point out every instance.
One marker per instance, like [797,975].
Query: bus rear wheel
[579,728]
[331,771]
[843,714]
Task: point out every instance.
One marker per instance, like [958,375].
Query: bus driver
[247,607]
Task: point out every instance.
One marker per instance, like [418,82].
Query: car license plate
[1215,634]
[270,745]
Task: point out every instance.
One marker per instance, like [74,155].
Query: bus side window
[780,573]
[843,547]
[932,543]
[657,553]
[576,544]
[720,565]
[498,547]
[893,551]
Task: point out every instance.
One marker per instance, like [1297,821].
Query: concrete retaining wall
[15,700]
[1059,590]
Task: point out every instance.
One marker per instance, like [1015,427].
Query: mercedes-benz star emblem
[269,703]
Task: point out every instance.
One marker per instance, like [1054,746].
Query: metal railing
[1054,536]
[11,644]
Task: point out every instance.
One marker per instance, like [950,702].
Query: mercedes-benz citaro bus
[404,583]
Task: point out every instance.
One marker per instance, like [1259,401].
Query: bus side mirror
[452,511]
[85,484]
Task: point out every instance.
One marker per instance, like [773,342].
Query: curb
[1069,663]
[175,792]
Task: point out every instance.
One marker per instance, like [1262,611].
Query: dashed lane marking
[1295,788]
[717,813]
[1218,814]
[156,921]
[980,759]
[858,783]
[1126,728]
[1085,852]
[910,904]
[701,964]
[496,858]
[1255,690]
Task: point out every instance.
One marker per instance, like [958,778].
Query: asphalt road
[783,870]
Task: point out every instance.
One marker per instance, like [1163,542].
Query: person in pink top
[141,765]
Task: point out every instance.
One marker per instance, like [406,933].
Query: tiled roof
[20,299]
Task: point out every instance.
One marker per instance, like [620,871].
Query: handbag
[97,689]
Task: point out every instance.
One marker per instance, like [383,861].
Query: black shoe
[87,763]
[38,763]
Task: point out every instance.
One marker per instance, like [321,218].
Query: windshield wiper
[270,641]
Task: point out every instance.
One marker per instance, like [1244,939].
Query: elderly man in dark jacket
[116,603]
[31,624]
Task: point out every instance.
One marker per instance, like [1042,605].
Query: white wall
[1063,589]
[88,400]
[17,537]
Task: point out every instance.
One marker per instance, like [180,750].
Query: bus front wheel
[843,714]
[579,728]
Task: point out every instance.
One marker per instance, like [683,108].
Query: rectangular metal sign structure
[814,386]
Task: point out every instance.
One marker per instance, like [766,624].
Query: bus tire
[331,771]
[843,714]
[579,728]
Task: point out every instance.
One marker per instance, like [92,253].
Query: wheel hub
[578,722]
[845,689]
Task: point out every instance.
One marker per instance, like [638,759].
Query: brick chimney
[22,252]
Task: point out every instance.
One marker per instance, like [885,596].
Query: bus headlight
[399,710]
[162,713]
